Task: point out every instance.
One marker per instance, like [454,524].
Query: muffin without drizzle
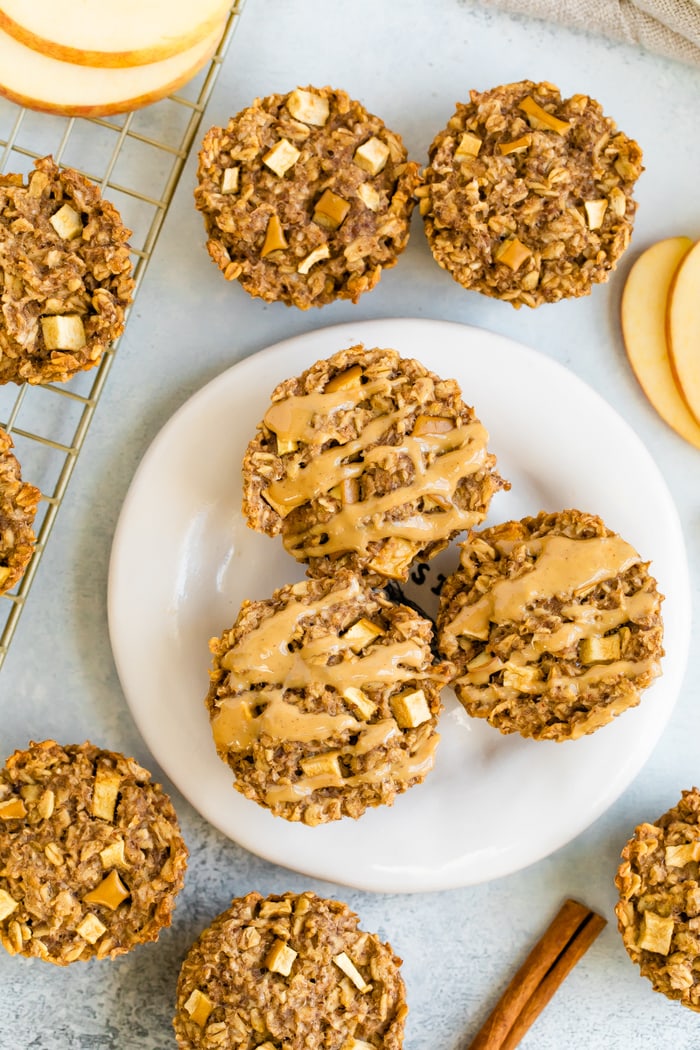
[658,913]
[528,196]
[368,461]
[91,856]
[67,274]
[324,699]
[290,971]
[18,503]
[306,197]
[553,624]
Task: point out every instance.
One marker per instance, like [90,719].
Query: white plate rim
[325,856]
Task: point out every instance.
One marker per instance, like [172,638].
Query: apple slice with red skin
[111,33]
[31,79]
[683,329]
[643,316]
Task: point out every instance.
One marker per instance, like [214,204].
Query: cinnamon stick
[565,941]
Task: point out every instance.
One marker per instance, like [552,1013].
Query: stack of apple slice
[661,331]
[96,57]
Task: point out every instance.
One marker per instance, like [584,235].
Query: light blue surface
[410,63]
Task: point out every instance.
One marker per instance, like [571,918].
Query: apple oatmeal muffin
[18,504]
[292,971]
[527,196]
[324,699]
[91,856]
[306,197]
[553,624]
[658,913]
[67,274]
[368,461]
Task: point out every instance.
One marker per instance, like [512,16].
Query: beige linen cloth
[668,27]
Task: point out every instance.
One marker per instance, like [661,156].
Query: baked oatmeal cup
[658,913]
[18,504]
[292,971]
[553,625]
[527,196]
[91,856]
[306,197]
[324,699]
[368,461]
[67,274]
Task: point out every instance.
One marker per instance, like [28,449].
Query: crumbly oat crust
[525,205]
[76,267]
[91,857]
[18,503]
[290,971]
[367,461]
[553,624]
[317,221]
[658,913]
[324,699]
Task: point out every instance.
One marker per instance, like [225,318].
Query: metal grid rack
[136,159]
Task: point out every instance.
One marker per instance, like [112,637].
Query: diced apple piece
[541,118]
[281,157]
[468,146]
[595,212]
[369,196]
[330,210]
[308,107]
[655,933]
[280,958]
[512,253]
[113,33]
[344,380]
[600,650]
[326,764]
[318,254]
[230,180]
[361,634]
[39,82]
[275,239]
[63,332]
[410,709]
[199,1006]
[360,702]
[643,317]
[372,155]
[66,222]
[683,324]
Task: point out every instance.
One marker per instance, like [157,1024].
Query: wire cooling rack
[136,159]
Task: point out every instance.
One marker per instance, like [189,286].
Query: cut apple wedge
[33,80]
[683,329]
[111,33]
[643,316]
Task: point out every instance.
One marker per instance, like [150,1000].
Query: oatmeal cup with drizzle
[368,461]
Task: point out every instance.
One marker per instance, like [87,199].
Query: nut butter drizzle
[439,461]
[563,566]
[263,658]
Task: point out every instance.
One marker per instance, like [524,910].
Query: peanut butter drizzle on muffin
[553,625]
[460,450]
[263,656]
[563,566]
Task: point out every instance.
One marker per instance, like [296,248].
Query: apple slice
[683,329]
[33,80]
[643,316]
[111,33]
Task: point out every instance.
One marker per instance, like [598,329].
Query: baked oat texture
[553,625]
[324,699]
[528,196]
[658,913]
[368,461]
[66,274]
[91,856]
[18,503]
[306,197]
[293,972]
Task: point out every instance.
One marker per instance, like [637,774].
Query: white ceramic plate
[183,560]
